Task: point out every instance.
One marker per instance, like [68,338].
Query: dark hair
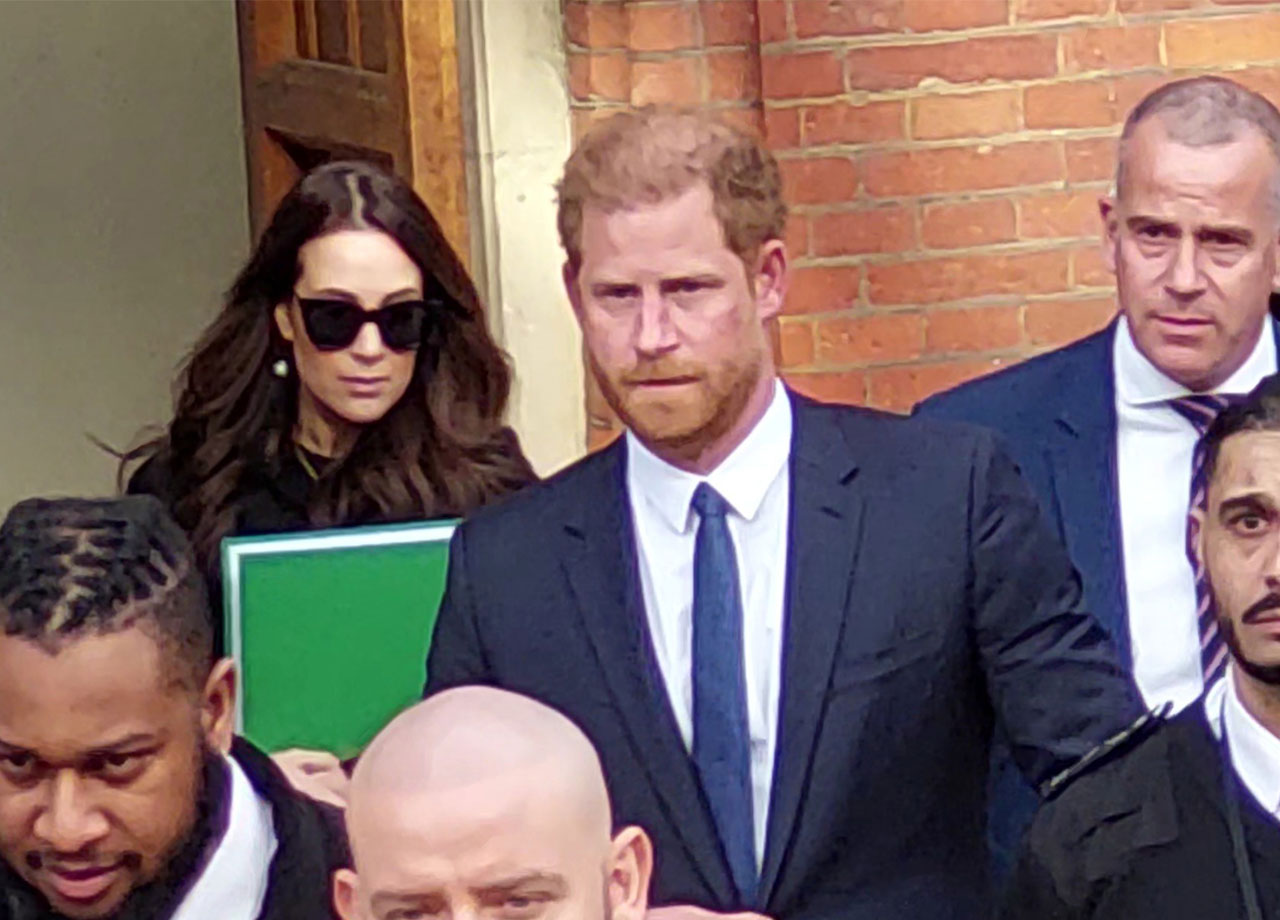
[441,450]
[1259,411]
[73,567]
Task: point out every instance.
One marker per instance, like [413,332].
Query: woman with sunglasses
[349,379]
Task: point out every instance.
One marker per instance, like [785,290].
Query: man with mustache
[788,628]
[123,794]
[1183,821]
[1104,428]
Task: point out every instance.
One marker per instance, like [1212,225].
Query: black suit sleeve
[1054,679]
[1032,895]
[456,656]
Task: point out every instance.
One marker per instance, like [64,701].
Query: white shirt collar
[1141,383]
[742,478]
[1255,751]
[233,885]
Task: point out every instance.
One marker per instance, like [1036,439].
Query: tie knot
[1202,408]
[708,502]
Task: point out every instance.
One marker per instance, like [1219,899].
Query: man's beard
[1268,674]
[727,392]
[155,898]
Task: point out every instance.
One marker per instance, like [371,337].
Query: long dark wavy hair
[441,450]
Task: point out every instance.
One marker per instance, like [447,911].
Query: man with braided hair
[123,793]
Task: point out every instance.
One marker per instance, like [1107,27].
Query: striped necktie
[1200,410]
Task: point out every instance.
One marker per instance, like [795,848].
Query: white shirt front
[755,481]
[1154,446]
[233,885]
[1255,751]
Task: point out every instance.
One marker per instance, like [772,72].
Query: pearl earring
[280,368]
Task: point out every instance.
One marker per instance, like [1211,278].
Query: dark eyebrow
[703,278]
[613,286]
[1254,501]
[1244,234]
[1143,220]
[556,883]
[138,739]
[382,900]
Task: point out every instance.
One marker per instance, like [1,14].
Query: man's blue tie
[721,739]
[1200,410]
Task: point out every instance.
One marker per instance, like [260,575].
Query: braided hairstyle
[73,567]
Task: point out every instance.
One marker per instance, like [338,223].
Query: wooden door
[369,79]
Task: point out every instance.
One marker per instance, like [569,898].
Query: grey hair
[1205,112]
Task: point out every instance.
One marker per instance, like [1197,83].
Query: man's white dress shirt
[233,885]
[1154,446]
[1254,751]
[755,481]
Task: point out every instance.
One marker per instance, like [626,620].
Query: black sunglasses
[334,324]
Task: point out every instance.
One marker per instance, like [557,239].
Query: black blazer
[925,599]
[1057,414]
[1143,835]
[312,843]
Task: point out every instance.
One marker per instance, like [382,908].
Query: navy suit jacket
[1057,414]
[926,600]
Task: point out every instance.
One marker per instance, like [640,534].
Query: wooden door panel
[365,79]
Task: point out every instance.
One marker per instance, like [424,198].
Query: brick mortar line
[908,145]
[875,204]
[963,196]
[985,301]
[830,41]
[938,87]
[907,257]
[926,359]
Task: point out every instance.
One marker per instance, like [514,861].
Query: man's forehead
[472,836]
[1248,462]
[687,218]
[1158,164]
[82,692]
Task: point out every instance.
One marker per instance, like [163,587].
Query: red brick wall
[943,158]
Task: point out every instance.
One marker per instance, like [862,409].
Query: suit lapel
[602,567]
[822,545]
[1082,457]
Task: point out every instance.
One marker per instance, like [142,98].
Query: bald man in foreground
[480,803]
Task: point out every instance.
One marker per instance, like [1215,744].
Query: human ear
[344,894]
[771,276]
[1195,535]
[218,706]
[284,321]
[1275,274]
[630,871]
[569,275]
[1110,231]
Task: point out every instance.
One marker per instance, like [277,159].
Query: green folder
[329,629]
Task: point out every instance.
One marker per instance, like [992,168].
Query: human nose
[70,821]
[656,333]
[368,344]
[1185,279]
[1271,564]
